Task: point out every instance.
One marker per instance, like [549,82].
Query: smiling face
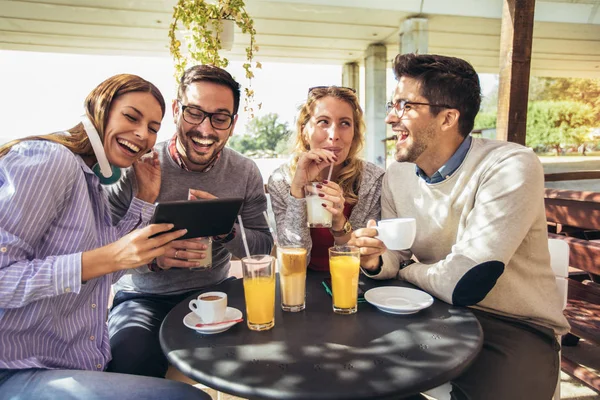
[133,122]
[417,129]
[200,144]
[331,127]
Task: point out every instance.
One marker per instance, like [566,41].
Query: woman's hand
[310,165]
[333,193]
[131,251]
[148,177]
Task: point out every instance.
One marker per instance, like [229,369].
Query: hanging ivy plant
[200,25]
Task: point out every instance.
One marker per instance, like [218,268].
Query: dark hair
[97,106]
[444,80]
[210,73]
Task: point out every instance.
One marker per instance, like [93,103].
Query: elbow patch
[477,283]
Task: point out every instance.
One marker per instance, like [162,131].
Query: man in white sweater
[481,228]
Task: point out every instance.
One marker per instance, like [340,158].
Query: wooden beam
[571,176]
[515,65]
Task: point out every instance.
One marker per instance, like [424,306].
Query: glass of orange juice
[344,266]
[259,291]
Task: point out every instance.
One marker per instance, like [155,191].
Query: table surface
[316,354]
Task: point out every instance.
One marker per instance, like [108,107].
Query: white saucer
[192,319]
[398,300]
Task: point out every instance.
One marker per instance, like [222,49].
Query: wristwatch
[346,229]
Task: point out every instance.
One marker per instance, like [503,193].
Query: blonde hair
[351,172]
[97,107]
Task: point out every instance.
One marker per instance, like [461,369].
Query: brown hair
[97,106]
[209,73]
[351,172]
[444,80]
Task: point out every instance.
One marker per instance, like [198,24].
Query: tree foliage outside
[265,136]
[558,123]
[561,112]
[485,120]
[585,91]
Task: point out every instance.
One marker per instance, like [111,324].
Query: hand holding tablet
[201,218]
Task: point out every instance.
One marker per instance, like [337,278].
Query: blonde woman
[330,130]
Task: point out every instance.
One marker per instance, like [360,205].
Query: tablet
[201,218]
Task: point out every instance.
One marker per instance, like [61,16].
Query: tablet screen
[200,217]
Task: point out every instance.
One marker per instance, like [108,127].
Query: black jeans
[133,325]
[517,362]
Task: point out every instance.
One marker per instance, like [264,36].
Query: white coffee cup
[397,233]
[210,306]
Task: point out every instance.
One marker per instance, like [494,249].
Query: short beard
[419,145]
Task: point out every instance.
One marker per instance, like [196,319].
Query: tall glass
[292,277]
[259,291]
[344,266]
[316,215]
[205,263]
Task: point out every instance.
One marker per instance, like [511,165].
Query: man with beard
[205,113]
[481,228]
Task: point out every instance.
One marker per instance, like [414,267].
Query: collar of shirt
[451,165]
[179,161]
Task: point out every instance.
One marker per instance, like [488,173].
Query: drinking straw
[244,237]
[273,234]
[330,171]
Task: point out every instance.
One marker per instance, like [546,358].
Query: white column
[375,98]
[414,36]
[351,76]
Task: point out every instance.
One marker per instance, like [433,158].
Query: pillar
[375,99]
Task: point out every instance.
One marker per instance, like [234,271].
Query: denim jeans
[50,384]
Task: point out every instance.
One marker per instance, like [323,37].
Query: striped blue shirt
[53,208]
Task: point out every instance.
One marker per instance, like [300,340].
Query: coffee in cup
[397,233]
[210,306]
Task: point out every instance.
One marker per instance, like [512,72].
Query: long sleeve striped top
[52,209]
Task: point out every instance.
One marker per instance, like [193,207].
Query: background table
[316,354]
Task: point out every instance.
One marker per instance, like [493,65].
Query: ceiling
[566,33]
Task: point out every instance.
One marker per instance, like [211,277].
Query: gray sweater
[290,212]
[232,176]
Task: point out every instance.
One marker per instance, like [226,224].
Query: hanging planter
[205,29]
[224,29]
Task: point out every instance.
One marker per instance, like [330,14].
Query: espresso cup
[397,233]
[210,306]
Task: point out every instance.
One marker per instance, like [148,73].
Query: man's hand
[179,252]
[196,194]
[148,176]
[370,247]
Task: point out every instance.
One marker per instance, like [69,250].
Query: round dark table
[316,354]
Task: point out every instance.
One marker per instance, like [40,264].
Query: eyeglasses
[399,107]
[327,87]
[195,116]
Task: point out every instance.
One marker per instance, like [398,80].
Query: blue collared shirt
[452,165]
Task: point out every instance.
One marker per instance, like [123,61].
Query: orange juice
[259,293]
[344,281]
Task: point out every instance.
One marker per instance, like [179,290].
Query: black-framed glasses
[195,115]
[399,107]
[327,87]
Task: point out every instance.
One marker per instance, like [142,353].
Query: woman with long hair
[60,252]
[329,130]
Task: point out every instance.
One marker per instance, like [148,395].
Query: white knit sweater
[481,234]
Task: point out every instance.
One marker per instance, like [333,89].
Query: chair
[559,260]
